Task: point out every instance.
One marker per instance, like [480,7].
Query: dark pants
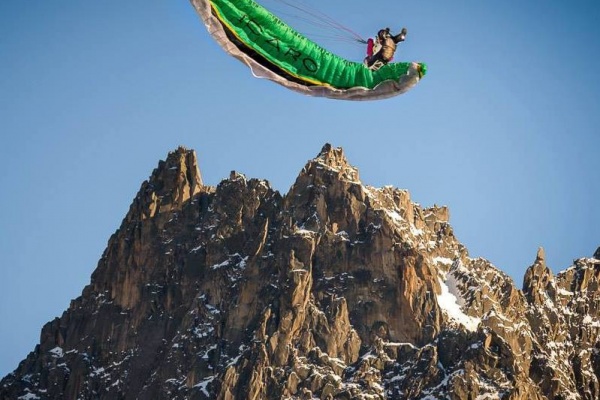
[376,61]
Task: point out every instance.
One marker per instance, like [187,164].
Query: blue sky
[504,129]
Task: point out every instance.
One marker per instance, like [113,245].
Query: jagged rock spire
[172,183]
[540,257]
[316,197]
[335,159]
[537,280]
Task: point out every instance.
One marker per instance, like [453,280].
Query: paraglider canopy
[275,51]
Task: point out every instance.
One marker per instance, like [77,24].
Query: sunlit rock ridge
[336,290]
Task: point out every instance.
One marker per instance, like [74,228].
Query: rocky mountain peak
[171,184]
[597,254]
[539,280]
[333,159]
[336,290]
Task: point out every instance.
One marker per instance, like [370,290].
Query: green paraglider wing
[275,51]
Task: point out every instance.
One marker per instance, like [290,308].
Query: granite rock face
[337,290]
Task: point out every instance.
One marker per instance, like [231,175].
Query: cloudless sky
[504,129]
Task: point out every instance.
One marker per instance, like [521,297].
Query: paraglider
[273,50]
[380,50]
